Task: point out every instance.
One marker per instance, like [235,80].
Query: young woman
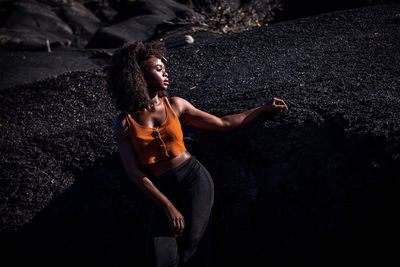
[151,147]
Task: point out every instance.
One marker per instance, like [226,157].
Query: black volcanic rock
[312,187]
[142,26]
[31,24]
[63,23]
[81,20]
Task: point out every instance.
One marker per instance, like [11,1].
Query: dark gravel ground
[312,187]
[22,67]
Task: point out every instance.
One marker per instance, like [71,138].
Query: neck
[154,100]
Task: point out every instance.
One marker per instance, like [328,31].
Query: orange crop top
[154,144]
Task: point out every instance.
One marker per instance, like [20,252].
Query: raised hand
[275,105]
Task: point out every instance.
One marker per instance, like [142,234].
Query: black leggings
[190,188]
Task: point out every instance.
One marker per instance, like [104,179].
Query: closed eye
[160,68]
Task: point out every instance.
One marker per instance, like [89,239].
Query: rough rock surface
[81,20]
[31,25]
[28,24]
[142,26]
[305,188]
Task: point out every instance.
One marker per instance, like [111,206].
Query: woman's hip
[189,175]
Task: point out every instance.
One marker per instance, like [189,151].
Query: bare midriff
[162,166]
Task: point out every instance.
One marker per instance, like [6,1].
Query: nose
[165,73]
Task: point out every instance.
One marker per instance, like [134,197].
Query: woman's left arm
[207,121]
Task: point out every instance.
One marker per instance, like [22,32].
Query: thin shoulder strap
[166,100]
[171,110]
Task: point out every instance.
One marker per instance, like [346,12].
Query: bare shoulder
[178,104]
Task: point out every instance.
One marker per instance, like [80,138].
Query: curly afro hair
[125,75]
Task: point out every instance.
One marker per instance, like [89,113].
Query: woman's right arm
[141,180]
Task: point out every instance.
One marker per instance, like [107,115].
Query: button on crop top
[154,144]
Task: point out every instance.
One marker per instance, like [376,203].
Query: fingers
[178,224]
[279,104]
[281,107]
[176,219]
[278,101]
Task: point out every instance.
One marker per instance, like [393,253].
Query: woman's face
[156,74]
